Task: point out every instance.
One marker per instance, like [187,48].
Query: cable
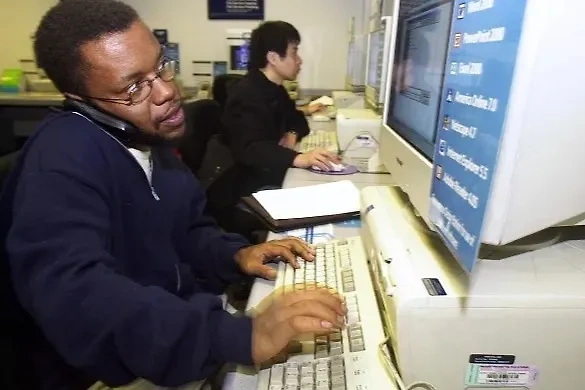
[355,137]
[421,385]
[389,365]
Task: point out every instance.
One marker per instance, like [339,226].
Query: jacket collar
[261,81]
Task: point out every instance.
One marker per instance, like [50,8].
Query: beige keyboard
[347,359]
[320,139]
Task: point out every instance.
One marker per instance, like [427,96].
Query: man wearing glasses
[114,267]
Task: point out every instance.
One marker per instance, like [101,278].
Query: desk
[244,378]
[31,99]
[21,113]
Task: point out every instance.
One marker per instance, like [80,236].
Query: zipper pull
[154,194]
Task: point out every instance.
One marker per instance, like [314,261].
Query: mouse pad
[348,170]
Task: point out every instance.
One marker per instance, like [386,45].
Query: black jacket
[257,115]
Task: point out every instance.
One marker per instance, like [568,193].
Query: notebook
[295,208]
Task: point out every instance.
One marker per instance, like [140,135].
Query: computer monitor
[374,67]
[238,58]
[377,66]
[356,63]
[537,178]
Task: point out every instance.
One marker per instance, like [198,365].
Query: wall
[16,28]
[323,25]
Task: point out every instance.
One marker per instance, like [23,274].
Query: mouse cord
[355,137]
[421,385]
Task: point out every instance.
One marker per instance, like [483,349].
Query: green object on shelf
[11,80]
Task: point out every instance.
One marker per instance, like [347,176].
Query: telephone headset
[123,131]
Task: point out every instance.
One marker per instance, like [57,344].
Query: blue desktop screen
[239,57]
[419,70]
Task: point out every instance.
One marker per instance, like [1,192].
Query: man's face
[288,67]
[116,63]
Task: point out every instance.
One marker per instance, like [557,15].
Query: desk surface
[45,99]
[242,378]
[31,99]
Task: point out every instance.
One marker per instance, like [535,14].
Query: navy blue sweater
[122,284]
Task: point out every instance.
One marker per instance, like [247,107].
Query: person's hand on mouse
[319,158]
[293,314]
[314,108]
[252,260]
[289,140]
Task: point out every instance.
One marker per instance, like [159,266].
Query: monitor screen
[419,70]
[375,58]
[219,68]
[239,57]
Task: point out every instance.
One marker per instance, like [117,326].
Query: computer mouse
[334,167]
[321,118]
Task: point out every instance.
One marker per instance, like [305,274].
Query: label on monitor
[471,122]
[477,358]
[434,286]
[502,376]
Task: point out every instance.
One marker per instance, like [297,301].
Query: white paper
[324,100]
[319,200]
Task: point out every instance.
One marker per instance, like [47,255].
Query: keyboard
[343,360]
[320,139]
[331,112]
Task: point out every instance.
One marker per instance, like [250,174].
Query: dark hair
[66,27]
[271,36]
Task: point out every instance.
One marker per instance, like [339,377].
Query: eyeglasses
[140,91]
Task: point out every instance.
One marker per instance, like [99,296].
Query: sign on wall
[235,9]
[171,52]
[482,56]
[162,36]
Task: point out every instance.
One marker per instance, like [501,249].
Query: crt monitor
[536,178]
[377,66]
[374,68]
[239,55]
[375,46]
[356,62]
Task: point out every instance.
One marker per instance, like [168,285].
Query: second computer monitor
[374,68]
[239,56]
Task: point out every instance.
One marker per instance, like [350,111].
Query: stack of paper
[340,197]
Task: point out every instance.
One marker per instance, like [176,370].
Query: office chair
[202,122]
[204,153]
[14,340]
[221,86]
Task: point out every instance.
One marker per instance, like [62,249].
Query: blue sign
[235,9]
[478,74]
[171,50]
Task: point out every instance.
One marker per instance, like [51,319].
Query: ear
[272,57]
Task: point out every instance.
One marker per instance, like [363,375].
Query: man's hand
[313,108]
[252,260]
[289,140]
[316,158]
[292,314]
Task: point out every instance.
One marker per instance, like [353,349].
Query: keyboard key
[276,375]
[336,336]
[356,345]
[336,348]
[356,333]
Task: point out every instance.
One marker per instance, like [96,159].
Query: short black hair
[66,27]
[271,36]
